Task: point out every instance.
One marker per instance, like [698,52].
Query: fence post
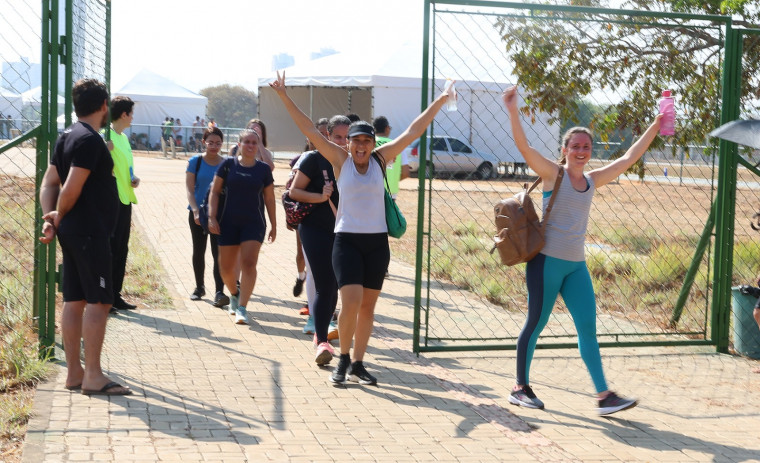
[726,195]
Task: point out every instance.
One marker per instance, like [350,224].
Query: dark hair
[336,121]
[213,131]
[121,105]
[263,129]
[380,123]
[566,139]
[353,117]
[322,121]
[88,96]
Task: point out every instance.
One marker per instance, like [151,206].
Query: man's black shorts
[86,268]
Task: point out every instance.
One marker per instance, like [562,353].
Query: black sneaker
[525,397]
[339,373]
[298,287]
[614,403]
[197,294]
[360,374]
[121,304]
[221,299]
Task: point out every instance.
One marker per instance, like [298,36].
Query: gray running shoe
[614,403]
[525,397]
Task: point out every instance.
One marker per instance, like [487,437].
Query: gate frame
[722,211]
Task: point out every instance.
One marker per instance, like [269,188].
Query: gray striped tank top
[566,231]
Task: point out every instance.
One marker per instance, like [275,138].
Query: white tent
[389,84]
[157,97]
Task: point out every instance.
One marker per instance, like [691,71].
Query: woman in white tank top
[360,253]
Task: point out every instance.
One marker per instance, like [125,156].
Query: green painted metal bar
[566,345]
[41,252]
[726,195]
[68,83]
[751,167]
[691,273]
[20,140]
[421,178]
[108,62]
[584,9]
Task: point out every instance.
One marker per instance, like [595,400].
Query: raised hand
[510,97]
[279,84]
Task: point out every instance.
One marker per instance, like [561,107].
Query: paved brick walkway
[208,390]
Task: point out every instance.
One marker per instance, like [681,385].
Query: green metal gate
[71,38]
[644,228]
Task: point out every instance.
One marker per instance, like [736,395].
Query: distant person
[80,203]
[360,252]
[242,227]
[560,267]
[264,155]
[315,183]
[198,176]
[353,117]
[198,133]
[2,127]
[211,123]
[168,131]
[397,170]
[126,182]
[177,130]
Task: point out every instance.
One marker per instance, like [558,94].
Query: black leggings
[120,248]
[199,255]
[318,246]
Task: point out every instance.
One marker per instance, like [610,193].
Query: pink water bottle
[668,111]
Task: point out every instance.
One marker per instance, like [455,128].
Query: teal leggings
[547,277]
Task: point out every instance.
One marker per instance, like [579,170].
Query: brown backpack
[520,234]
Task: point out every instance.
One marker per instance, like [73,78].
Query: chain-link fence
[19,109]
[603,69]
[35,100]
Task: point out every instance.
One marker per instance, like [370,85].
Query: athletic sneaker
[325,353]
[614,403]
[298,287]
[241,316]
[360,374]
[197,294]
[221,299]
[332,331]
[234,304]
[339,373]
[308,328]
[525,397]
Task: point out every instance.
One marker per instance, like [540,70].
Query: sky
[198,43]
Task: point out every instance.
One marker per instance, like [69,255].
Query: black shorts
[87,268]
[361,259]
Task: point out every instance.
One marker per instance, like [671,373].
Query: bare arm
[213,204]
[271,212]
[393,148]
[611,171]
[332,152]
[190,187]
[49,190]
[545,168]
[299,193]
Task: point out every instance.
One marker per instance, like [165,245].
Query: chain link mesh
[643,228]
[89,39]
[19,112]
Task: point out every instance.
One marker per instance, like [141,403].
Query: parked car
[451,156]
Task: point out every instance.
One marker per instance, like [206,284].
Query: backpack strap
[557,183]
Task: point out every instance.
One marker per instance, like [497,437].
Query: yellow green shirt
[392,170]
[122,161]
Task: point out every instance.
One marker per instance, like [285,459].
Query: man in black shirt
[80,204]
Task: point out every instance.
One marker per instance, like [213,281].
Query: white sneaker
[241,317]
